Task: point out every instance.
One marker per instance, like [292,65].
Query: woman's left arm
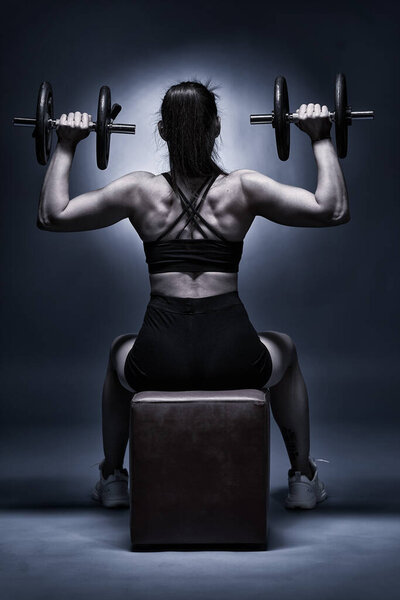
[92,210]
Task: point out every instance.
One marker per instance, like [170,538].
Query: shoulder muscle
[279,202]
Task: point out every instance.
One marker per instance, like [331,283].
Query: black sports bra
[193,255]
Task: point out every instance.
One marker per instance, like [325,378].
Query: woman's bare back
[225,208]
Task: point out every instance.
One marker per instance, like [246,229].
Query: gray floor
[56,543]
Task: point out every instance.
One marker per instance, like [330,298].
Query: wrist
[67,146]
[321,138]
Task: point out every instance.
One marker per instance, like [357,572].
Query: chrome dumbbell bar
[53,124]
[293,118]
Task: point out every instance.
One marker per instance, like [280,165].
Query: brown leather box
[199,467]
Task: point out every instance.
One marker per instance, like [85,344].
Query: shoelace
[315,460]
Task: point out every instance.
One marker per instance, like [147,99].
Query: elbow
[338,218]
[335,216]
[345,218]
[41,223]
[45,223]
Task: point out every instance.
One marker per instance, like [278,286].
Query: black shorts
[197,344]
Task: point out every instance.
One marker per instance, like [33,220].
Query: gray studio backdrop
[334,290]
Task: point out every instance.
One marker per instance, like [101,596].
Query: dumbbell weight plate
[44,133]
[102,131]
[281,122]
[341,122]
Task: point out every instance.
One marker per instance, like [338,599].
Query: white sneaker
[112,491]
[303,492]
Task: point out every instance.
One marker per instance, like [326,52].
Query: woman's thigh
[282,351]
[120,348]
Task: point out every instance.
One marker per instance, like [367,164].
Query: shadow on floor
[44,492]
[364,497]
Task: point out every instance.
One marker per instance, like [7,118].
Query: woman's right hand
[314,121]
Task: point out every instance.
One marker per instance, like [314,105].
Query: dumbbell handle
[53,123]
[293,117]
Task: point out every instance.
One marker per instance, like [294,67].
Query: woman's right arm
[290,205]
[118,200]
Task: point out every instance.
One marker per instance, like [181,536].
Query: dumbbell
[281,117]
[45,123]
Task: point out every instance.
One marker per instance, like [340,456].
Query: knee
[290,347]
[284,345]
[116,345]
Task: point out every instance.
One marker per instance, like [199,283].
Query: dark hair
[189,118]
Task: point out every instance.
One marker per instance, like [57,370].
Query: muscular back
[225,208]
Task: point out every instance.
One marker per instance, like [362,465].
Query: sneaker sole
[112,503]
[306,505]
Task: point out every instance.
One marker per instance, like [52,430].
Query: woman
[196,333]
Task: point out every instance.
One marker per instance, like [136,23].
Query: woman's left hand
[74,128]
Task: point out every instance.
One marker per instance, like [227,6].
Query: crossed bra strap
[192,210]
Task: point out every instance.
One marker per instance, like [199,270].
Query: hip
[207,341]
